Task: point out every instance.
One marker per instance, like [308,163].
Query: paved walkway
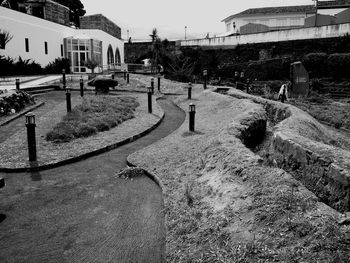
[32,83]
[83,213]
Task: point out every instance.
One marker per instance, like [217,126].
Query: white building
[273,17]
[43,41]
[279,18]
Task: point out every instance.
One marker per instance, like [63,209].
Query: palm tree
[5,37]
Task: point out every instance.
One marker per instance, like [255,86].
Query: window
[46,50]
[61,50]
[27,44]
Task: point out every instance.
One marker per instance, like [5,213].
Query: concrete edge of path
[35,167]
[3,123]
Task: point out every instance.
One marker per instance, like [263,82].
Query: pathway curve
[83,213]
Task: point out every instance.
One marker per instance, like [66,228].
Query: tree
[76,9]
[5,37]
[91,64]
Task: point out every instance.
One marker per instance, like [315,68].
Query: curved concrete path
[83,213]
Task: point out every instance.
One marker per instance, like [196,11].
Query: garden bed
[14,149]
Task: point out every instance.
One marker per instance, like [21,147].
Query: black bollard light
[81,86]
[128,78]
[189,90]
[149,93]
[242,77]
[30,123]
[205,74]
[247,87]
[112,75]
[192,112]
[159,83]
[124,74]
[17,84]
[152,85]
[64,78]
[68,100]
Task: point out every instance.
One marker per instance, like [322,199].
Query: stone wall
[100,22]
[56,13]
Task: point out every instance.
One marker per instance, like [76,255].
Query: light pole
[185,32]
[192,113]
[30,123]
[149,95]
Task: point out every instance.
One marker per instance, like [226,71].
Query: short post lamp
[247,87]
[149,93]
[128,78]
[159,82]
[124,74]
[236,76]
[152,85]
[17,84]
[64,78]
[68,100]
[81,87]
[112,75]
[30,123]
[189,90]
[205,74]
[192,112]
[242,76]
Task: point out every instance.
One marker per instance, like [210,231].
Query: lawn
[95,114]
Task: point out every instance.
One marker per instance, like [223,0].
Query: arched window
[117,57]
[110,55]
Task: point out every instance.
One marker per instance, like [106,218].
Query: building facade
[284,17]
[43,41]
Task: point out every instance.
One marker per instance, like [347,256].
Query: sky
[138,18]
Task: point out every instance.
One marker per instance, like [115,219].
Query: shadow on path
[83,212]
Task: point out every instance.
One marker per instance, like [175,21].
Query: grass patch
[95,114]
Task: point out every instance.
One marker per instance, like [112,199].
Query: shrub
[15,101]
[338,65]
[27,67]
[95,114]
[9,67]
[316,64]
[56,66]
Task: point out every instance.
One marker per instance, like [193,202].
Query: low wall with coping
[273,36]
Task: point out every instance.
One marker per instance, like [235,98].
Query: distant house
[284,17]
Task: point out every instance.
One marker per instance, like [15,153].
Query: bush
[269,69]
[14,102]
[316,64]
[57,65]
[338,65]
[95,114]
[9,67]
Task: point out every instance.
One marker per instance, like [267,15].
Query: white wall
[268,20]
[274,36]
[37,30]
[107,40]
